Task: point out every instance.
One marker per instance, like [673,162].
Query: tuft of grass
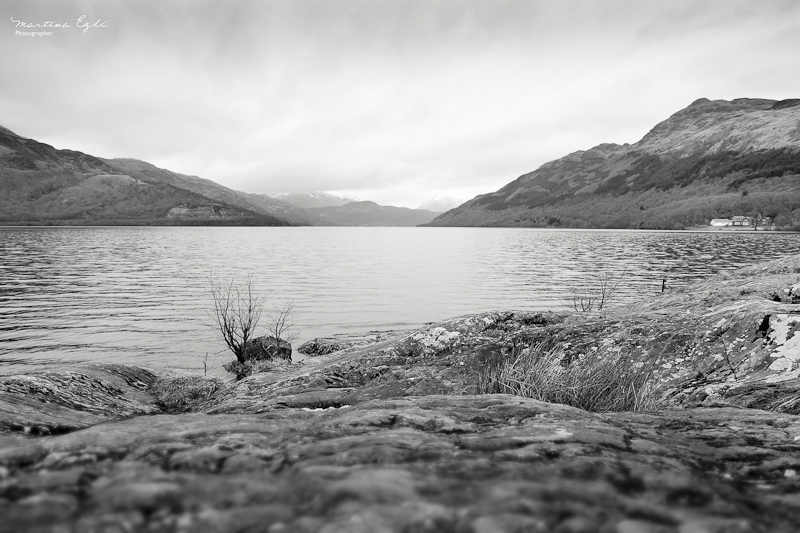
[783,265]
[178,394]
[597,382]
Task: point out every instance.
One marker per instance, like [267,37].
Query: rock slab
[64,399]
[429,464]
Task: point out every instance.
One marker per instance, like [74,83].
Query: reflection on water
[141,295]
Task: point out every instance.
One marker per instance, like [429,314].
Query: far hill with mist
[441,204]
[313,199]
[332,210]
[372,214]
[713,159]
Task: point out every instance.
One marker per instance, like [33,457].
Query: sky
[394,101]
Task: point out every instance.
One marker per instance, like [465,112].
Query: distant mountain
[372,214]
[440,205]
[42,185]
[252,202]
[713,159]
[313,199]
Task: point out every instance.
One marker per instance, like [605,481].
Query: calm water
[141,295]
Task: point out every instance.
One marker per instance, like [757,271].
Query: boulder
[267,348]
[792,294]
[344,341]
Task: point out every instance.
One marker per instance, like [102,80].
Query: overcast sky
[385,100]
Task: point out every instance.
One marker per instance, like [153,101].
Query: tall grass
[598,382]
[783,265]
[180,393]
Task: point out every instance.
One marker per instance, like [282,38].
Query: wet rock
[22,454]
[207,459]
[243,463]
[38,510]
[145,496]
[345,341]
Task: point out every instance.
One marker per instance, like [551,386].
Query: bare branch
[597,291]
[280,323]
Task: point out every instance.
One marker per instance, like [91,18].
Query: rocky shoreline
[393,436]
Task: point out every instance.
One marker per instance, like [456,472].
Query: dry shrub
[597,382]
[597,291]
[237,310]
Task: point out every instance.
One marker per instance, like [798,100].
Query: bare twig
[597,291]
[280,324]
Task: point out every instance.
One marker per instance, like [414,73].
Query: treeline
[664,173]
[663,193]
[660,210]
[244,221]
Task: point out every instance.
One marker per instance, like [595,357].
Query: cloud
[397,99]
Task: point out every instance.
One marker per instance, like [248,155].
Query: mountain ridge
[214,191]
[40,184]
[712,159]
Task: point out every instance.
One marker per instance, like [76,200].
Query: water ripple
[141,295]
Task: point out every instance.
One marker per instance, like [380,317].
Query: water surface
[141,295]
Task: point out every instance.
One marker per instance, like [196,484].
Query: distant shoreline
[744,229]
[111,224]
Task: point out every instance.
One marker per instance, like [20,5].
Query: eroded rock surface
[65,399]
[434,463]
[337,343]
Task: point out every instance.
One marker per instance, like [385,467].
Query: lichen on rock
[436,340]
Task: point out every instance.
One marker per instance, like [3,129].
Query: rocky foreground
[392,436]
